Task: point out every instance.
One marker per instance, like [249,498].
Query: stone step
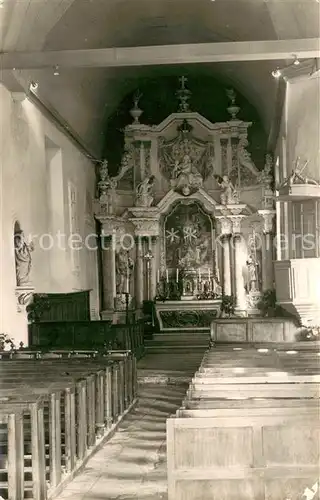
[174,349]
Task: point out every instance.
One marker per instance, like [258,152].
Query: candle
[167,275]
[158,276]
[199,274]
[177,275]
[209,275]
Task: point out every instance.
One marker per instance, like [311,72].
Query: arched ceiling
[85,97]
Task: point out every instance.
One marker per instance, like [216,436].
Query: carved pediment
[201,196]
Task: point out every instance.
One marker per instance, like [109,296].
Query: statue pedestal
[253,298]
[24,296]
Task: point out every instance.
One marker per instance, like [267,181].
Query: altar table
[195,315]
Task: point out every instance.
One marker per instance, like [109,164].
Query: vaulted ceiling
[86,96]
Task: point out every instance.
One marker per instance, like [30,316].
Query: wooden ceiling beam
[164,54]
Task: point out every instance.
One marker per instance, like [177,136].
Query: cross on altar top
[183,80]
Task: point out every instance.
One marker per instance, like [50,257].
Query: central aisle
[132,465]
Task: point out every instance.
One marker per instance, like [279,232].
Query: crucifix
[183,80]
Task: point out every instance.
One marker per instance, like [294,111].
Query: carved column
[267,261]
[109,271]
[239,284]
[225,241]
[229,155]
[139,291]
[153,270]
[218,154]
[142,161]
[267,249]
[237,243]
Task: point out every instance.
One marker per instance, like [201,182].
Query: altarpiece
[192,213]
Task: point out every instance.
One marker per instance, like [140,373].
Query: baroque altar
[189,217]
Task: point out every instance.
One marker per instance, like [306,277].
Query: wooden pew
[248,428]
[243,453]
[12,453]
[82,399]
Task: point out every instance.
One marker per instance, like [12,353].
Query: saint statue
[252,266]
[144,195]
[124,267]
[185,175]
[22,251]
[229,195]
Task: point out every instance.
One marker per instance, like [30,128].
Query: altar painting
[188,238]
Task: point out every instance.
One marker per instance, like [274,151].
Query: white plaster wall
[303,124]
[25,197]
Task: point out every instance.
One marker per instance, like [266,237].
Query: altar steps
[168,368]
[178,342]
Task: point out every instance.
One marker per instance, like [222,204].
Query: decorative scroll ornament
[183,95]
[248,170]
[265,177]
[233,109]
[185,160]
[107,186]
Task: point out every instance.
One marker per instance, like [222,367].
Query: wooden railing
[88,335]
[56,407]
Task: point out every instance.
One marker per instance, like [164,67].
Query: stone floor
[132,465]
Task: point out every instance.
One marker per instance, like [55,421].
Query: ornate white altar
[191,210]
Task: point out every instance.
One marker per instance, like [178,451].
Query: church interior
[160,249]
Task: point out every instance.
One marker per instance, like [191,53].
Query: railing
[88,335]
[54,412]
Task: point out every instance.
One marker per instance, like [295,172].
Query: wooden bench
[243,453]
[79,402]
[248,428]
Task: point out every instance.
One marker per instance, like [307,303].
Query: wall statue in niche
[23,259]
[188,238]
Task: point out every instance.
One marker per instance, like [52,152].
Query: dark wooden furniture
[88,335]
[73,306]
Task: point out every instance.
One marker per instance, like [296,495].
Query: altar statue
[124,267]
[252,266]
[185,176]
[229,195]
[22,251]
[144,195]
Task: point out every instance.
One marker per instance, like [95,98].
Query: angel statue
[229,195]
[144,195]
